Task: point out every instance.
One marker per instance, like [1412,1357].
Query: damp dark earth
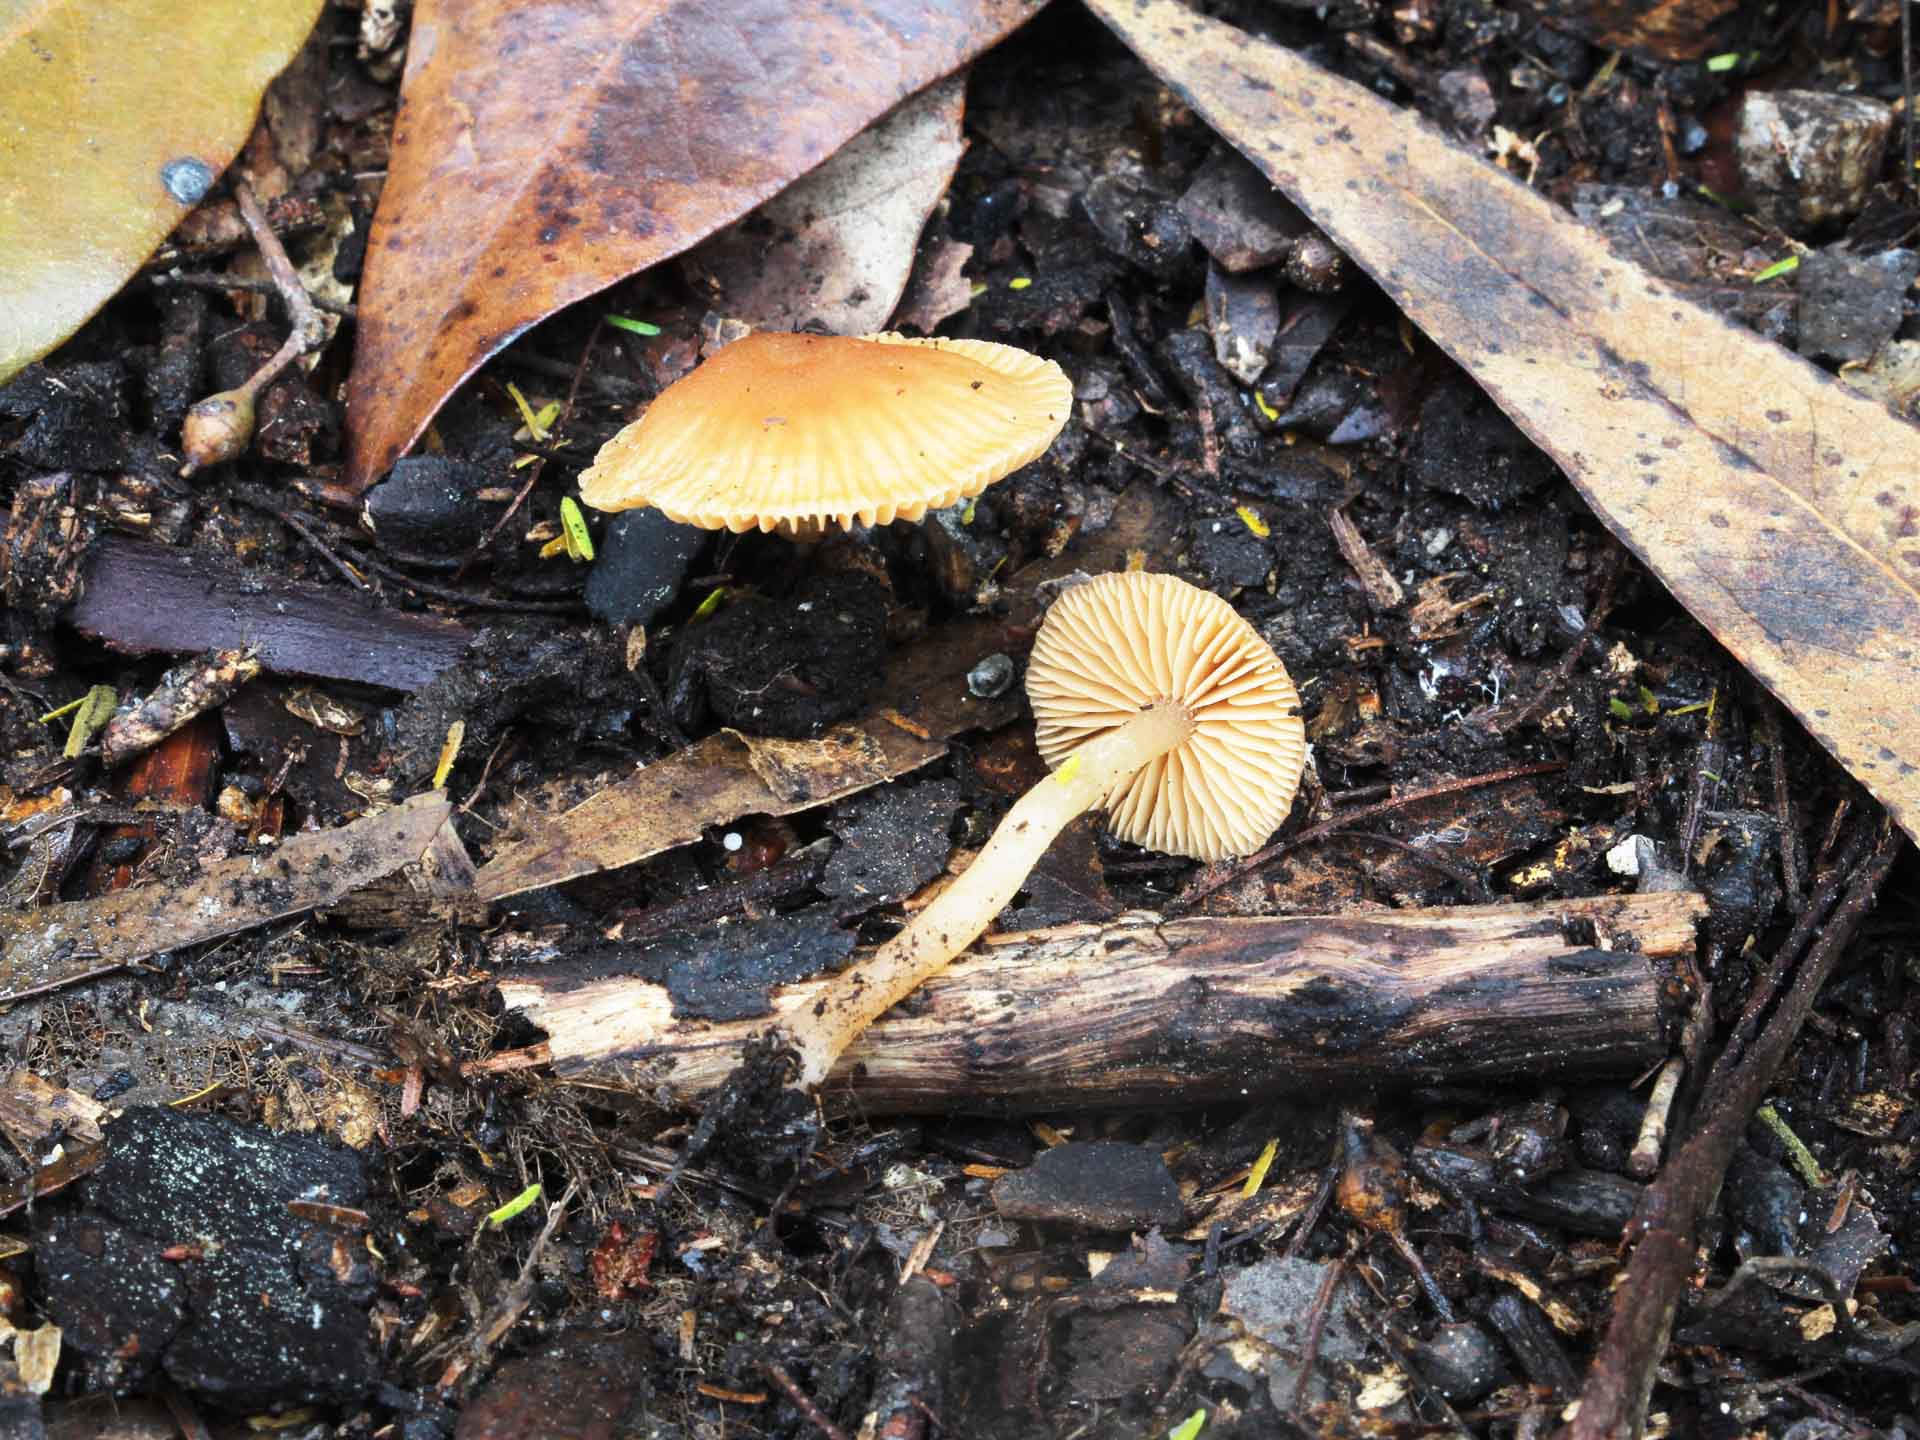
[448,846]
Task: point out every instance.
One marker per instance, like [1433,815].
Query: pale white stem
[872,985]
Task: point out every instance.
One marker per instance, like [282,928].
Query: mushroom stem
[958,915]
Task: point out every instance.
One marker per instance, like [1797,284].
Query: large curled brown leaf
[544,152]
[1781,508]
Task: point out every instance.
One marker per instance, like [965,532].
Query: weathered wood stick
[1144,1012]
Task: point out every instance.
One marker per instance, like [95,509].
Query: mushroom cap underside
[1122,643]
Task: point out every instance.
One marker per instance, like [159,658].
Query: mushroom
[1151,697]
[793,432]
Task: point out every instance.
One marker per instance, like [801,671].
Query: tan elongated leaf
[834,249]
[115,118]
[1782,509]
[544,152]
[56,945]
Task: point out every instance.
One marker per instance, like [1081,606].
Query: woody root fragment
[1145,1012]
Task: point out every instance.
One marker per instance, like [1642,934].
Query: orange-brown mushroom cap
[780,431]
[1120,644]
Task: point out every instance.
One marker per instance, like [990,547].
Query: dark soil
[310,1227]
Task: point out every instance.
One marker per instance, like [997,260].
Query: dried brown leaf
[833,250]
[542,153]
[1782,509]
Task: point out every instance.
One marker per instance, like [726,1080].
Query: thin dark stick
[1563,672]
[425,588]
[1466,879]
[1316,1325]
[309,330]
[1906,84]
[1613,1401]
[463,597]
[301,527]
[1768,986]
[804,1403]
[1212,879]
[197,280]
[1316,1207]
[1793,865]
[539,466]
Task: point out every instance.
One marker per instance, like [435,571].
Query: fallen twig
[1614,1400]
[1150,1012]
[220,427]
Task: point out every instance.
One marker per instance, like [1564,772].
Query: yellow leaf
[115,120]
[449,752]
[1257,1176]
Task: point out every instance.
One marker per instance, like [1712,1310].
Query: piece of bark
[60,944]
[183,694]
[1144,1012]
[144,599]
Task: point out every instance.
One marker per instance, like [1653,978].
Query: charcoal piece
[1237,215]
[1528,1142]
[1306,325]
[44,547]
[1461,1362]
[1132,350]
[784,667]
[428,508]
[726,972]
[70,418]
[173,382]
[251,1324]
[1227,556]
[1465,446]
[1208,387]
[1067,887]
[1740,876]
[1323,404]
[1092,1185]
[575,681]
[1530,1337]
[1145,229]
[964,550]
[297,425]
[117,1301]
[1808,156]
[1607,1124]
[639,565]
[1587,1202]
[1851,305]
[893,840]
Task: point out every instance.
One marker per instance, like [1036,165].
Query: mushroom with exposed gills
[796,432]
[1152,698]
